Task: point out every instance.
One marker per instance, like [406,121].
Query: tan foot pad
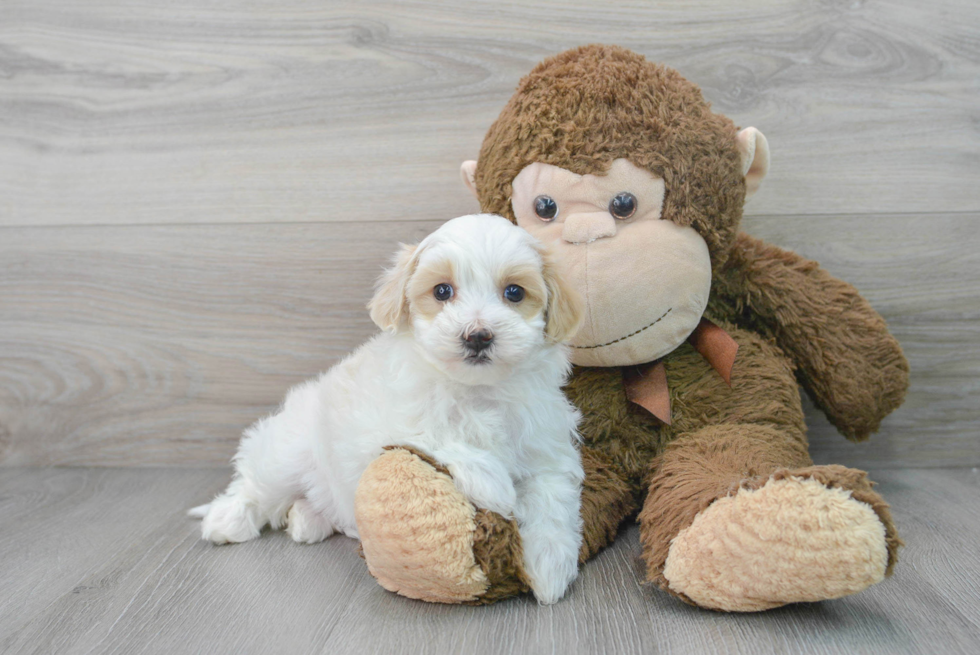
[792,540]
[417,530]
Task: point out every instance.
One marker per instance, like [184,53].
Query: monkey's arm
[847,360]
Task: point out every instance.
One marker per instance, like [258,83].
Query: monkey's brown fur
[584,108]
[794,323]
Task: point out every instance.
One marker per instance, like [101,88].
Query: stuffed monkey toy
[688,365]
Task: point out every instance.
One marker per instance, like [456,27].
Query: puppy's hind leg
[262,490]
[232,517]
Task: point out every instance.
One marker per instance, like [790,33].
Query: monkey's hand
[423,539]
[853,368]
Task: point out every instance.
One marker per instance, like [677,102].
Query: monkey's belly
[764,391]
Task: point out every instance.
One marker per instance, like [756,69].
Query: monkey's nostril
[478,340]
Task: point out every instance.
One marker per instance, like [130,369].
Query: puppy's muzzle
[477,343]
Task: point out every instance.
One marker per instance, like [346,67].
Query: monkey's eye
[443,292]
[514,293]
[546,208]
[623,205]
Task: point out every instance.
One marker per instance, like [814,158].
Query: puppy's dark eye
[514,293]
[546,208]
[623,205]
[442,292]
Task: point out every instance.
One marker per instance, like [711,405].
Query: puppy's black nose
[478,341]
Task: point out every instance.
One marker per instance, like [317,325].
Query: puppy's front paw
[551,569]
[306,525]
[486,484]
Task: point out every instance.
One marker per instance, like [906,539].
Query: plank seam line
[971,212]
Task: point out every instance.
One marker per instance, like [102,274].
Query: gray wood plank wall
[195,198]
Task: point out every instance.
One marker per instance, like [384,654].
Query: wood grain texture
[157,345]
[125,112]
[104,561]
[183,192]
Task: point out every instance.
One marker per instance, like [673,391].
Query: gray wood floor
[104,561]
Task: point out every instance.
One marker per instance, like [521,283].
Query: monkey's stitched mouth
[631,334]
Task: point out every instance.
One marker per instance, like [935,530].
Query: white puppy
[468,369]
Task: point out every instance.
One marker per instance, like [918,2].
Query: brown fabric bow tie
[646,384]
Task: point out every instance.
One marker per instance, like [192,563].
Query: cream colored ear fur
[565,310]
[389,306]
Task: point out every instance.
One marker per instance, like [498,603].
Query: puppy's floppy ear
[565,311]
[389,307]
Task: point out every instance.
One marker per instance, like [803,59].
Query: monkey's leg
[422,539]
[739,519]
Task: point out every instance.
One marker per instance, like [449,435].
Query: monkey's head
[621,167]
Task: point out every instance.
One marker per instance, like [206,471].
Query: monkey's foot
[422,539]
[796,536]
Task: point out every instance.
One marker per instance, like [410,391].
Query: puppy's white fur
[500,424]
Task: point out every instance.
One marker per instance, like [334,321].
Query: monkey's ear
[754,149]
[565,311]
[389,306]
[468,172]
